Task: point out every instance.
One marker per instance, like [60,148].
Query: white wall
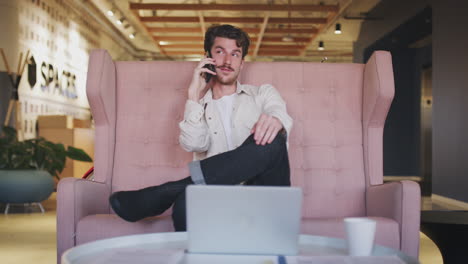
[59,35]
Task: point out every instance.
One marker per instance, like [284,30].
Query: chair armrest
[77,198]
[400,201]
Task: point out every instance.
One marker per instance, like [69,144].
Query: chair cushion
[387,233]
[102,226]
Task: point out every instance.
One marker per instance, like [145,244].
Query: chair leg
[7,208]
[41,207]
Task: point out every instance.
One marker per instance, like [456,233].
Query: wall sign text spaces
[51,79]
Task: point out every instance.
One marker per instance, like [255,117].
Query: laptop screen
[243,219]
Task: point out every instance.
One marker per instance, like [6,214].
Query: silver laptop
[243,219]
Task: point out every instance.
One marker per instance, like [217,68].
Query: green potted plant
[35,154]
[27,167]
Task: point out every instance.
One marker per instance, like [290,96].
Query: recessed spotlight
[120,21]
[132,35]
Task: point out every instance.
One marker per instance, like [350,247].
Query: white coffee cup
[360,233]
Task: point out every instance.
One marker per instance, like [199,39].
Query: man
[236,132]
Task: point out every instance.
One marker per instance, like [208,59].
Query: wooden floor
[27,236]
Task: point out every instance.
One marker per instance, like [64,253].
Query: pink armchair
[335,146]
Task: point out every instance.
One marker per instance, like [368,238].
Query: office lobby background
[428,41]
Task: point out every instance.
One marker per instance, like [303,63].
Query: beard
[227,80]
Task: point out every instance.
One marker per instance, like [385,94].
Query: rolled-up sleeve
[274,105]
[194,136]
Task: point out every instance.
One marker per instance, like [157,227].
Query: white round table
[157,248]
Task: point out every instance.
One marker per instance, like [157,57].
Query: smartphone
[211,67]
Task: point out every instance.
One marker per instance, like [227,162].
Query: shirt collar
[239,89]
[243,88]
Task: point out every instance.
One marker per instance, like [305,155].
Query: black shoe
[152,201]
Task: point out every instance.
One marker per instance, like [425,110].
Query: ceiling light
[288,38]
[163,42]
[321,46]
[110,13]
[120,21]
[338,28]
[132,35]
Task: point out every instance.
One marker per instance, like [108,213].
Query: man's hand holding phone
[198,86]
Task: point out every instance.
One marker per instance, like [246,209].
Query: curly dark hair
[230,32]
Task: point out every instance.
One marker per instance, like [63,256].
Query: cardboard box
[55,121]
[81,123]
[62,121]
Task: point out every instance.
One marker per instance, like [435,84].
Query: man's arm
[274,115]
[194,135]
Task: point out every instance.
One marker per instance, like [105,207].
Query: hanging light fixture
[321,46]
[110,12]
[338,28]
[132,35]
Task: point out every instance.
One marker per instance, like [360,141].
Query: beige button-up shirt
[202,131]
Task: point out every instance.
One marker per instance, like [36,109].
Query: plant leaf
[78,154]
[10,133]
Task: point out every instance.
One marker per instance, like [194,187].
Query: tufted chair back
[326,142]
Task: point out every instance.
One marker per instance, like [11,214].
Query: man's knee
[278,144]
[280,138]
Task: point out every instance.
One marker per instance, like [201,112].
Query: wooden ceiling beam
[173,29]
[169,19]
[263,47]
[298,20]
[280,47]
[280,39]
[202,21]
[331,18]
[321,28]
[260,36]
[267,53]
[254,20]
[248,30]
[292,30]
[172,53]
[234,7]
[279,53]
[178,38]
[200,39]
[183,46]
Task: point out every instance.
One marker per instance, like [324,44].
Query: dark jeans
[250,164]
